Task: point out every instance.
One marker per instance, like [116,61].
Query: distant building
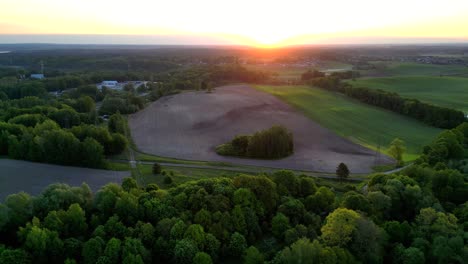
[38,76]
[109,83]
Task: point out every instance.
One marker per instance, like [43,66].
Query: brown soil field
[190,125]
[33,178]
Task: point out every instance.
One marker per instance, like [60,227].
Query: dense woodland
[418,215]
[273,143]
[66,130]
[430,114]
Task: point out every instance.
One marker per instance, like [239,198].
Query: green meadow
[451,92]
[415,69]
[366,125]
[294,72]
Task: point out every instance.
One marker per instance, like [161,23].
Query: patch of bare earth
[190,125]
[33,178]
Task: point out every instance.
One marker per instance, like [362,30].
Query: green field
[293,72]
[414,69]
[451,92]
[367,125]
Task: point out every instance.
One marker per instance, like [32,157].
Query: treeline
[419,215]
[432,115]
[273,143]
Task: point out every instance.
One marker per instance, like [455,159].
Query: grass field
[181,174]
[449,92]
[364,124]
[384,68]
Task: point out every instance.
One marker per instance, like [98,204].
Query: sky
[244,22]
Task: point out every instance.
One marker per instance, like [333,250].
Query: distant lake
[4,51]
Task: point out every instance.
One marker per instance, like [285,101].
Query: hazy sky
[251,22]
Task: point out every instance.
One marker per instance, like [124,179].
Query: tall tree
[342,171]
[396,150]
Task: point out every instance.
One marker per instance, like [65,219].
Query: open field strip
[451,92]
[367,125]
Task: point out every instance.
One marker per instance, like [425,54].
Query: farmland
[15,173]
[451,92]
[190,125]
[367,125]
[383,68]
[293,71]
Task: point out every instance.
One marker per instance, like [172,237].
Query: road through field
[31,177]
[190,125]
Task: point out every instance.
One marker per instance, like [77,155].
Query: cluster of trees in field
[273,143]
[419,215]
[430,114]
[62,131]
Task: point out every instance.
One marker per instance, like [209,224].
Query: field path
[190,125]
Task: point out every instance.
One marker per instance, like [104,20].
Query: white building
[38,76]
[109,83]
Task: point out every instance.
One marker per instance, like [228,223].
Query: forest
[66,130]
[418,215]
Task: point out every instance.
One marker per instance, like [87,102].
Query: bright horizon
[255,23]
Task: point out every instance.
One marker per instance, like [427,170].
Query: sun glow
[262,23]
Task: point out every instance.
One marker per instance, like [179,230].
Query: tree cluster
[273,143]
[58,131]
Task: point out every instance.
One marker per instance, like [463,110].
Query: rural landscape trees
[279,218]
[416,215]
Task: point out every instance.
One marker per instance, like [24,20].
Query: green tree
[340,226]
[20,209]
[196,234]
[237,244]
[112,250]
[202,258]
[253,256]
[156,168]
[321,201]
[92,250]
[342,171]
[279,225]
[14,256]
[129,184]
[184,251]
[116,123]
[396,150]
[304,251]
[92,153]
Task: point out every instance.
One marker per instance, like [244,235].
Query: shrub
[168,180]
[156,168]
